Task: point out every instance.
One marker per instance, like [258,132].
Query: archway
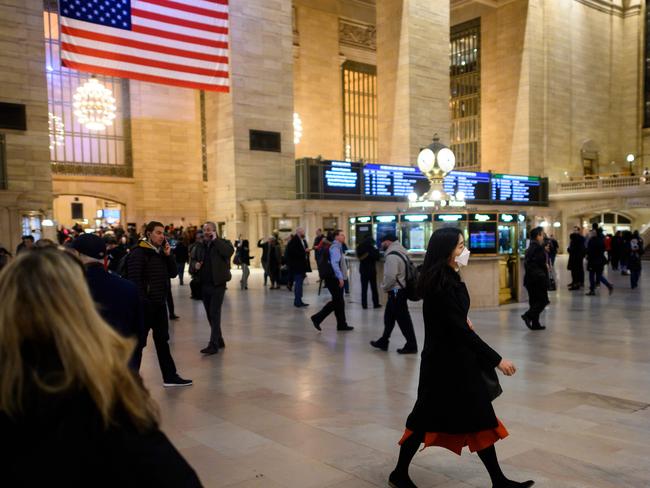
[88,211]
[611,222]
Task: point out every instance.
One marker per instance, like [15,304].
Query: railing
[601,184]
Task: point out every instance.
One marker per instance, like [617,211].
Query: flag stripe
[150,70]
[178,29]
[205,4]
[220,29]
[143,29]
[136,75]
[97,40]
[189,8]
[207,69]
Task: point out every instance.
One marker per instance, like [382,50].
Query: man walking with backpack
[332,270]
[150,265]
[399,274]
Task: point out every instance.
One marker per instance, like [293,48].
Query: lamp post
[436,161]
[630,160]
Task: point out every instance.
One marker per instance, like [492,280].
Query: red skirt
[476,441]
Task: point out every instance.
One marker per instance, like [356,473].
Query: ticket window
[416,231]
[507,234]
[384,225]
[457,220]
[360,227]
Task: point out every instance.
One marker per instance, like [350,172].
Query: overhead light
[297,128]
[557,225]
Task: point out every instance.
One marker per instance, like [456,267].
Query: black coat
[181,253]
[116,299]
[368,256]
[219,252]
[60,440]
[452,394]
[577,251]
[535,266]
[596,259]
[264,246]
[151,272]
[297,258]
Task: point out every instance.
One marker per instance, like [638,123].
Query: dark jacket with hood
[150,269]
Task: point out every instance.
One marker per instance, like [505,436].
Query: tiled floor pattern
[284,406]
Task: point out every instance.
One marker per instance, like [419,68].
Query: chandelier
[297,128]
[56,128]
[94,105]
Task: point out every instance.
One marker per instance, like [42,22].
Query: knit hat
[90,245]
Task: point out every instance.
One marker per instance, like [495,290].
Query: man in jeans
[397,308]
[297,260]
[214,271]
[334,277]
[150,266]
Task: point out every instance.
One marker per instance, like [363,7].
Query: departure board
[516,189]
[388,181]
[475,186]
[341,177]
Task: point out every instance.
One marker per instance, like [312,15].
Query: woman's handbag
[491,383]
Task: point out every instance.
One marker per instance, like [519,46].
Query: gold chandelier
[94,105]
[57,130]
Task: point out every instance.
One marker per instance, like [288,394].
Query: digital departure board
[341,177]
[388,181]
[516,189]
[475,186]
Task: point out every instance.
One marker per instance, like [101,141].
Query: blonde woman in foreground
[71,412]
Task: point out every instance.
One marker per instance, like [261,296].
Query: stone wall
[22,81]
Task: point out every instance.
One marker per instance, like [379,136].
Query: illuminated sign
[473,185]
[385,219]
[507,218]
[513,188]
[483,217]
[364,220]
[341,177]
[388,181]
[415,218]
[450,217]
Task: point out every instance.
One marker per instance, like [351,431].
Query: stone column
[412,76]
[261,98]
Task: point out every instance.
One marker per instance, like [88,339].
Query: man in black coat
[298,263]
[264,245]
[116,298]
[536,279]
[576,252]
[368,255]
[596,262]
[214,271]
[150,266]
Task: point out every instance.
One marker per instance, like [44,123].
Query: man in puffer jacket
[150,265]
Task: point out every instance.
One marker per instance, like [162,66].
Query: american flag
[173,42]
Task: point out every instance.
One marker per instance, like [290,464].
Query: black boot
[380,343]
[400,481]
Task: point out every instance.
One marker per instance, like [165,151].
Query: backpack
[122,268]
[412,275]
[325,270]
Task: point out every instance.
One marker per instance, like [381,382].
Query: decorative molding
[620,8]
[357,34]
[118,170]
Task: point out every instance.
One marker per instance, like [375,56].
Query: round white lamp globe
[413,197]
[426,160]
[446,159]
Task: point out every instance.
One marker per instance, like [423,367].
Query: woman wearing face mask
[454,407]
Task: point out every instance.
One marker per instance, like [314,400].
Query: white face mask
[463,258]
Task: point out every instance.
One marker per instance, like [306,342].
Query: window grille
[359,111]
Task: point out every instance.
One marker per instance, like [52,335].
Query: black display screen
[388,181]
[516,189]
[341,177]
[482,237]
[475,186]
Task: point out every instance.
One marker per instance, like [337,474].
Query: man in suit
[298,262]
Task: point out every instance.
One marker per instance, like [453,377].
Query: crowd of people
[87,366]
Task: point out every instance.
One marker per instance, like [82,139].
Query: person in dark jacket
[74,405]
[116,298]
[215,273]
[195,256]
[245,262]
[27,243]
[115,251]
[368,255]
[596,262]
[150,266]
[181,255]
[454,403]
[577,251]
[298,263]
[634,262]
[536,279]
[616,250]
[264,245]
[274,262]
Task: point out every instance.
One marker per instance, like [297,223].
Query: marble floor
[284,406]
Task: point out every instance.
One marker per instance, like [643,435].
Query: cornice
[620,8]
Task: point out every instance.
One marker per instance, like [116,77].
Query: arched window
[73,148]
